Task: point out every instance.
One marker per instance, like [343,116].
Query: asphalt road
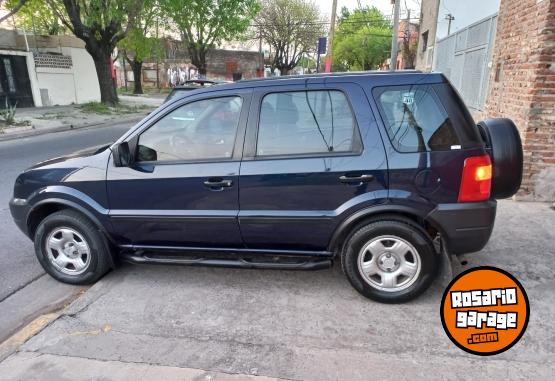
[18,265]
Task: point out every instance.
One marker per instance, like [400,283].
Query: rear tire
[390,261]
[71,249]
[505,148]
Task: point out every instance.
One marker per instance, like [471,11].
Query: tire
[377,247]
[505,148]
[71,249]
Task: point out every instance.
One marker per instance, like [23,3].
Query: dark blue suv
[381,171]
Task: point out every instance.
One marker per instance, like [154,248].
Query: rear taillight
[476,179]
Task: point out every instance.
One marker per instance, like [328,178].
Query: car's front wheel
[70,248]
[389,260]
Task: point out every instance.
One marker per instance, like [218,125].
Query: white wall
[84,74]
[79,84]
[60,86]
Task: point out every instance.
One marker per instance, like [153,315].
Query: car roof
[391,77]
[377,78]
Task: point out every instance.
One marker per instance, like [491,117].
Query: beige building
[427,38]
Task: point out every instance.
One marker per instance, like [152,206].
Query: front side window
[199,130]
[415,120]
[305,122]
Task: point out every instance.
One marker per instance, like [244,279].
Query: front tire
[390,261]
[71,249]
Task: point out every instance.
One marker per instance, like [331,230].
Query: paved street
[200,323]
[18,264]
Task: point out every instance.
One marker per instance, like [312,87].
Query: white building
[45,70]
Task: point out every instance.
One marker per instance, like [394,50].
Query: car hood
[83,167]
[91,151]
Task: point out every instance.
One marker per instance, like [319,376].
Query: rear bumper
[465,227]
[20,210]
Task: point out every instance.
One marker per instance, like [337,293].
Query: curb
[67,127]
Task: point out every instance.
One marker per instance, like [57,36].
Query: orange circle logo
[485,311]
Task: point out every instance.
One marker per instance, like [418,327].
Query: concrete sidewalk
[42,120]
[34,366]
[292,325]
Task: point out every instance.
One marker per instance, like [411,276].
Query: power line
[259,25]
[442,2]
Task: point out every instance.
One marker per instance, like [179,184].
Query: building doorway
[15,85]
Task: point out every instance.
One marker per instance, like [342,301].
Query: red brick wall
[522,86]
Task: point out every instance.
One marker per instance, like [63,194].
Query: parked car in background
[193,84]
[379,171]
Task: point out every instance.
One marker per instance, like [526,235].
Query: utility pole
[394,42]
[260,52]
[406,42]
[123,69]
[329,58]
[449,17]
[157,59]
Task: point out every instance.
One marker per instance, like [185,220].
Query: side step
[246,263]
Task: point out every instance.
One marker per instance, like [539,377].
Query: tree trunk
[198,58]
[137,67]
[108,94]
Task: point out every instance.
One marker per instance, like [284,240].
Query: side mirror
[122,155]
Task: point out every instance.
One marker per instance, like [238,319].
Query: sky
[465,12]
[383,5]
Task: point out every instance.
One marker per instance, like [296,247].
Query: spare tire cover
[505,149]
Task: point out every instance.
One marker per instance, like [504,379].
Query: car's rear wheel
[389,261]
[70,248]
[505,149]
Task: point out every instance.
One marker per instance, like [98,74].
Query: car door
[312,156]
[182,189]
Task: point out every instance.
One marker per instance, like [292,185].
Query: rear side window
[306,122]
[416,120]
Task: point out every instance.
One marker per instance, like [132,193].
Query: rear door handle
[356,179]
[218,183]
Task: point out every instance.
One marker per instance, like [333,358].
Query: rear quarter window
[417,120]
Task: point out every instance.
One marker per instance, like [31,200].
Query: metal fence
[465,58]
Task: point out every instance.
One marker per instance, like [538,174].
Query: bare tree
[291,28]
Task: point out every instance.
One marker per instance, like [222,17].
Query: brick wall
[522,87]
[221,65]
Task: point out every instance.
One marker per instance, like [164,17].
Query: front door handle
[356,179]
[218,183]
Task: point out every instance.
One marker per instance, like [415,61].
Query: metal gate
[15,85]
[464,57]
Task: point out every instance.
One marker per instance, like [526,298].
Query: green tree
[101,24]
[291,28]
[13,6]
[139,45]
[204,24]
[38,17]
[362,41]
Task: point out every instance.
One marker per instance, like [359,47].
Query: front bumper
[20,210]
[465,227]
